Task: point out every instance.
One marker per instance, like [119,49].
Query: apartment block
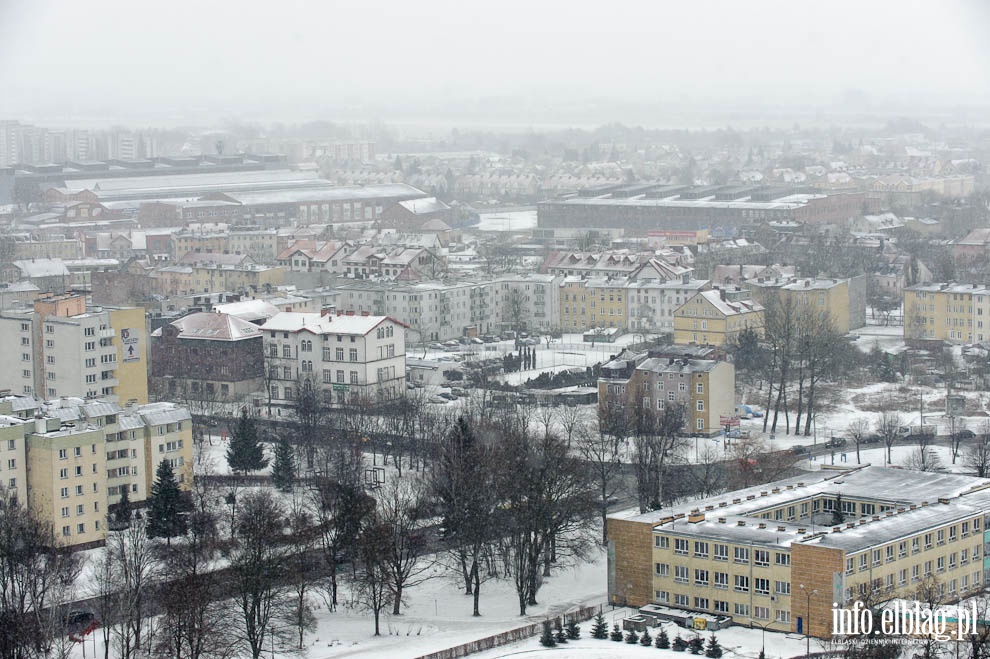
[705,387]
[778,555]
[843,301]
[69,460]
[957,313]
[529,301]
[713,318]
[351,358]
[62,347]
[591,303]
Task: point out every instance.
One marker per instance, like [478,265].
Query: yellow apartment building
[843,301]
[69,460]
[778,555]
[958,313]
[706,389]
[589,303]
[710,318]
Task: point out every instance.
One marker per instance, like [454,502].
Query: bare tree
[35,580]
[372,589]
[656,436]
[602,453]
[464,484]
[977,454]
[340,507]
[886,425]
[305,538]
[397,505]
[138,569]
[924,457]
[257,561]
[858,431]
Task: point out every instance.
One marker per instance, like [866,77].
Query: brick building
[210,357]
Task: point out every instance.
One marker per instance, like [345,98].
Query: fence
[510,636]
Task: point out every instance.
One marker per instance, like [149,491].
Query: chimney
[721,520]
[365,313]
[761,525]
[709,507]
[876,518]
[721,294]
[836,529]
[740,523]
[324,312]
[781,528]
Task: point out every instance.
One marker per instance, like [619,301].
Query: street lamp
[763,636]
[807,620]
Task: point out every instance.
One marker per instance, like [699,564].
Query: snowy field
[507,221]
[736,642]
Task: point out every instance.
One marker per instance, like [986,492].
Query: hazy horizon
[515,64]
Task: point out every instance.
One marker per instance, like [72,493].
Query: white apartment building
[62,348]
[351,358]
[652,302]
[529,301]
[433,311]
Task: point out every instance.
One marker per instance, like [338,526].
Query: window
[663,570]
[681,600]
[701,602]
[782,559]
[850,565]
[902,577]
[963,556]
[741,554]
[352,354]
[78,470]
[761,612]
[701,549]
[64,492]
[915,545]
[784,617]
[680,574]
[782,587]
[952,534]
[66,532]
[721,607]
[876,557]
[941,536]
[915,573]
[63,473]
[890,553]
[701,578]
[663,596]
[741,583]
[761,586]
[62,454]
[680,546]
[741,609]
[354,377]
[722,580]
[721,552]
[940,564]
[761,558]
[661,542]
[79,490]
[65,511]
[80,528]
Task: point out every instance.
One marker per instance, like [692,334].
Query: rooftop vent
[836,529]
[775,490]
[790,487]
[694,518]
[801,484]
[761,525]
[912,507]
[709,507]
[862,520]
[850,525]
[876,518]
[781,528]
[722,504]
[721,520]
[802,531]
[751,497]
[736,500]
[924,504]
[763,493]
[740,523]
[943,500]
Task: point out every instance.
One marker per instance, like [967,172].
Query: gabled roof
[315,323]
[214,327]
[32,268]
[424,206]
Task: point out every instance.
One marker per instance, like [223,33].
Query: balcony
[107,333]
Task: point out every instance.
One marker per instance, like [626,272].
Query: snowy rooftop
[735,516]
[293,321]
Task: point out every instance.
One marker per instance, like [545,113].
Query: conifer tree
[631,637]
[573,631]
[713,650]
[121,515]
[663,642]
[284,466]
[560,636]
[245,452]
[166,505]
[546,638]
[646,640]
[616,633]
[679,645]
[697,645]
[599,629]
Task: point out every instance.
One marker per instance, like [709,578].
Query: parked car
[872,439]
[736,433]
[965,433]
[529,342]
[447,396]
[835,442]
[438,400]
[457,391]
[799,450]
[476,341]
[435,346]
[79,619]
[490,338]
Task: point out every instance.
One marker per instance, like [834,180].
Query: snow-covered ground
[736,642]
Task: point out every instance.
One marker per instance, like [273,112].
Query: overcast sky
[291,59]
